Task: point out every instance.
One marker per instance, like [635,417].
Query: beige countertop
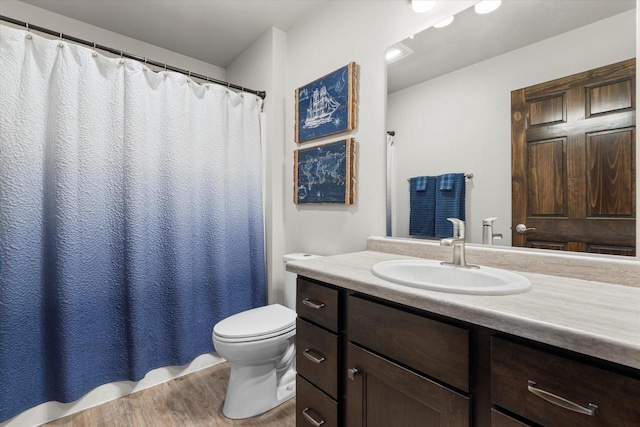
[593,318]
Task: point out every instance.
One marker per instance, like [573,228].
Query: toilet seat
[257,324]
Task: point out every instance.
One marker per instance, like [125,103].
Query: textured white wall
[328,39]
[461,122]
[262,67]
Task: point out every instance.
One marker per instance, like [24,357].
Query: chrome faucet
[457,241]
[487,231]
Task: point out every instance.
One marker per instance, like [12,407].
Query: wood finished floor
[193,400]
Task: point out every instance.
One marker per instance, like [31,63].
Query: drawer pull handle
[312,304]
[352,372]
[314,359]
[561,401]
[312,420]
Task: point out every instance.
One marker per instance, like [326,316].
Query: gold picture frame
[325,174]
[328,105]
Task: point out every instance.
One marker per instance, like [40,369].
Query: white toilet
[260,346]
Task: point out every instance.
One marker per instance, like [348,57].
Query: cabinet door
[384,394]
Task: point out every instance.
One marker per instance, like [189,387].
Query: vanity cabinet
[367,361]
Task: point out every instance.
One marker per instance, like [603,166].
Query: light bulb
[444,22]
[392,53]
[421,6]
[487,6]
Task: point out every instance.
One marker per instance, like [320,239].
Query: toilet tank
[290,278]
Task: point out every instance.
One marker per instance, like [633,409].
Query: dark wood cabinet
[498,419]
[317,303]
[313,407]
[319,355]
[365,361]
[557,391]
[383,393]
[429,346]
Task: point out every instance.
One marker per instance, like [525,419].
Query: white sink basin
[432,275]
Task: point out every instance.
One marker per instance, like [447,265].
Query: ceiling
[472,38]
[213,31]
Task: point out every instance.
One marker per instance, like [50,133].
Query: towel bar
[467,176]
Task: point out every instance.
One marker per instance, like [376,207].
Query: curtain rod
[261,94]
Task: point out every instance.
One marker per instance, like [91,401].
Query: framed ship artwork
[328,105]
[325,173]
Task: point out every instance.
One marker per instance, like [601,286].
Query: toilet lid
[256,322]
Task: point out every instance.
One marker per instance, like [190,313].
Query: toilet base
[255,389]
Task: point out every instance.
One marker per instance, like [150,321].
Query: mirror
[449,102]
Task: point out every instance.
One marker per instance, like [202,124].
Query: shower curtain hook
[27,25]
[29,36]
[94,54]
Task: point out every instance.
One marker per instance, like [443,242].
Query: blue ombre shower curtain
[130,218]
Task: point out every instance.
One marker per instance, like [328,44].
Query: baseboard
[50,411]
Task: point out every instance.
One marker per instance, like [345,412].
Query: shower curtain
[130,218]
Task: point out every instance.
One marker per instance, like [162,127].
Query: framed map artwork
[328,105]
[325,173]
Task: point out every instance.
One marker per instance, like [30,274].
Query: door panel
[610,158]
[573,162]
[547,177]
[385,394]
[609,97]
[547,111]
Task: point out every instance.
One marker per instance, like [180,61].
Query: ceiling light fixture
[422,6]
[396,52]
[487,6]
[444,22]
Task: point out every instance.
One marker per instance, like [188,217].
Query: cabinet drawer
[313,405]
[317,356]
[429,346]
[317,303]
[498,419]
[531,382]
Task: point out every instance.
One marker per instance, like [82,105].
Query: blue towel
[446,181]
[423,207]
[421,183]
[449,203]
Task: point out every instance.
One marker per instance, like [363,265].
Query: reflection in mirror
[449,102]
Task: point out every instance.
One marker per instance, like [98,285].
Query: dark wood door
[573,162]
[385,394]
